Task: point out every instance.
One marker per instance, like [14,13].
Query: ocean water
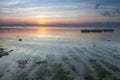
[59,53]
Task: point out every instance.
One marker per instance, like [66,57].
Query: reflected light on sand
[45,32]
[42,31]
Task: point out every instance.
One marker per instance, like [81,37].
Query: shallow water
[84,55]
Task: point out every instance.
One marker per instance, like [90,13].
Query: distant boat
[108,30]
[96,30]
[90,30]
[85,31]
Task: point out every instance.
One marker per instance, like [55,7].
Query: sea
[59,53]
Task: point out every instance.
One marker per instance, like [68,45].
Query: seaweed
[115,78]
[99,70]
[111,66]
[88,77]
[49,72]
[41,72]
[1,75]
[116,57]
[61,74]
[41,62]
[50,57]
[65,58]
[22,63]
[78,50]
[3,52]
[29,78]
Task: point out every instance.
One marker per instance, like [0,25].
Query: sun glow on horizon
[42,22]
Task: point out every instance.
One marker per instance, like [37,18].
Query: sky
[47,12]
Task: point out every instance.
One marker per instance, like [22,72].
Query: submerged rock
[19,39]
[73,68]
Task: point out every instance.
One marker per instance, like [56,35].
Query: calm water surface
[86,56]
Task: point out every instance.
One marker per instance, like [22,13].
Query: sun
[42,22]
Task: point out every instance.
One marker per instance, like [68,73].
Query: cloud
[97,6]
[111,13]
[108,8]
[9,3]
[106,13]
[117,11]
[59,9]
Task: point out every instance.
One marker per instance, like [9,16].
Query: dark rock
[19,39]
